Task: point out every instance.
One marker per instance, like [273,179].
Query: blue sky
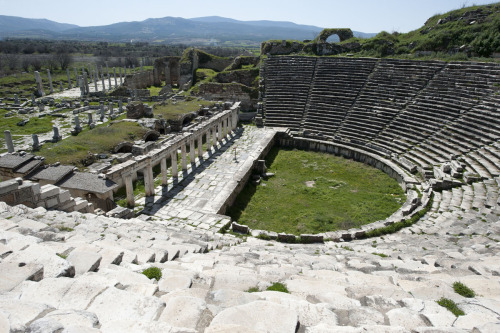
[359,15]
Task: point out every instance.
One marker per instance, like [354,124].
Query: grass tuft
[451,306]
[277,286]
[463,290]
[152,273]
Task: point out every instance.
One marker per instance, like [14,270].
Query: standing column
[192,153]
[50,81]
[148,180]
[224,128]
[129,187]
[103,84]
[8,141]
[86,83]
[173,160]
[95,81]
[200,146]
[214,137]
[219,131]
[69,79]
[90,70]
[164,178]
[114,72]
[39,86]
[109,81]
[76,77]
[121,80]
[183,156]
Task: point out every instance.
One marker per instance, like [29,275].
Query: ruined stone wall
[139,80]
[317,48]
[246,77]
[173,74]
[16,192]
[230,92]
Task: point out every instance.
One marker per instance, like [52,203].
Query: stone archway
[123,147]
[344,34]
[151,136]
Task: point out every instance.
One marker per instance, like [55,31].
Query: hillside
[473,31]
[11,24]
[203,30]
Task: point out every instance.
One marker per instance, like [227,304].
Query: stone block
[48,190]
[13,273]
[243,229]
[84,261]
[64,196]
[8,186]
[308,238]
[286,238]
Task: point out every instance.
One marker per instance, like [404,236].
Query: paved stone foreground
[197,197]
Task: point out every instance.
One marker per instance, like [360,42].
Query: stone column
[86,83]
[164,177]
[192,152]
[16,99]
[120,106]
[111,111]
[168,79]
[121,79]
[90,121]
[183,156]
[219,131]
[103,83]
[102,111]
[33,102]
[50,81]
[39,86]
[8,141]
[149,186]
[69,79]
[78,128]
[36,143]
[76,77]
[114,72]
[200,146]
[214,137]
[61,88]
[129,187]
[95,83]
[56,137]
[107,68]
[173,160]
[90,71]
[109,81]
[224,128]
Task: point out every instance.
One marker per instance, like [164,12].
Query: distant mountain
[202,30]
[14,23]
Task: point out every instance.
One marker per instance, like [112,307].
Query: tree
[64,59]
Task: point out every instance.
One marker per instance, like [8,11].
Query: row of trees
[13,62]
[104,49]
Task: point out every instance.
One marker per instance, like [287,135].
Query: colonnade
[214,132]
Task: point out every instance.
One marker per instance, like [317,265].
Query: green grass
[451,306]
[102,139]
[152,273]
[381,255]
[34,126]
[345,194]
[277,286]
[463,290]
[169,110]
[253,290]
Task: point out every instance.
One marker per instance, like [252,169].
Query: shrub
[451,306]
[152,273]
[277,286]
[253,290]
[463,290]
